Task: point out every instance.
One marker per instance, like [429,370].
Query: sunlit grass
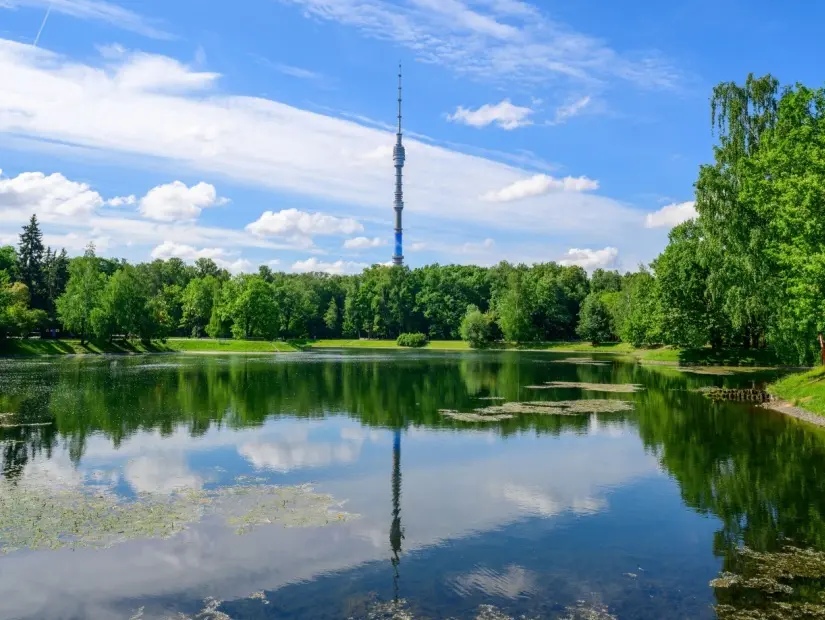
[805,390]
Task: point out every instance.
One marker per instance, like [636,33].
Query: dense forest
[748,271]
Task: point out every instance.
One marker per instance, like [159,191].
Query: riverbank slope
[804,390]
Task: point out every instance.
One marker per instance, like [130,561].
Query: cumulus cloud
[176,202]
[294,222]
[590,259]
[222,258]
[339,267]
[538,185]
[51,197]
[364,243]
[671,215]
[504,114]
[122,201]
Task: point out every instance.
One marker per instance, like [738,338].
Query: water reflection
[531,513]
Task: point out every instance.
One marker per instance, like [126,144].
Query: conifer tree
[30,262]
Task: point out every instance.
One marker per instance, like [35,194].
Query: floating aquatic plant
[593,387]
[474,417]
[509,410]
[36,516]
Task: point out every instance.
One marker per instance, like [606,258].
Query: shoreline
[789,409]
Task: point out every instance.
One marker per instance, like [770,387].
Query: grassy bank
[667,355]
[805,390]
[172,345]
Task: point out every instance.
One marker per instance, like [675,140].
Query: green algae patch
[39,517]
[786,584]
[506,411]
[625,388]
[583,610]
[581,361]
[474,417]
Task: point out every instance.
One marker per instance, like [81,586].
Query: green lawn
[806,390]
[73,347]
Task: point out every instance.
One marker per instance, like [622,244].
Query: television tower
[398,156]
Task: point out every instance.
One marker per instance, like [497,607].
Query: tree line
[747,271]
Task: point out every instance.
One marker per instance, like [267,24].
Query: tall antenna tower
[399,155]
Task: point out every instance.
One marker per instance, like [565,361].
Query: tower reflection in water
[396,531]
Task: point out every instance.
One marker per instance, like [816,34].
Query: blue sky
[260,132]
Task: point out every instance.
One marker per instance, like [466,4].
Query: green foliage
[197,304]
[595,323]
[416,340]
[476,327]
[83,290]
[331,316]
[8,261]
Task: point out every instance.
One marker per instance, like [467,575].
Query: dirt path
[787,408]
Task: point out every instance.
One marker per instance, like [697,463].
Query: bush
[476,328]
[411,340]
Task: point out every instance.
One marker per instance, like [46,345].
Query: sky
[261,132]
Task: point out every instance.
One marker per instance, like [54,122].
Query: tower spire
[398,156]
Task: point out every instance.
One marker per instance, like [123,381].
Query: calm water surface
[633,513]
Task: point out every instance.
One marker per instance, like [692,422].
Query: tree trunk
[822,349]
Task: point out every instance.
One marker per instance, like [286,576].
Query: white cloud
[671,215]
[565,112]
[264,144]
[76,243]
[170,249]
[297,72]
[477,248]
[176,202]
[364,243]
[590,259]
[339,267]
[504,114]
[529,47]
[152,73]
[419,246]
[295,222]
[51,197]
[95,10]
[222,258]
[122,201]
[538,185]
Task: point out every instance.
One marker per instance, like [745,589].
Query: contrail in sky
[43,25]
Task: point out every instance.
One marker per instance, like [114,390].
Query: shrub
[476,328]
[412,340]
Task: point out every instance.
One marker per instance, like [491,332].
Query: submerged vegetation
[788,583]
[37,515]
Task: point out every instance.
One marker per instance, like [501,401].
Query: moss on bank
[35,347]
[805,390]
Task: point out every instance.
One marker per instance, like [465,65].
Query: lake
[365,485]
